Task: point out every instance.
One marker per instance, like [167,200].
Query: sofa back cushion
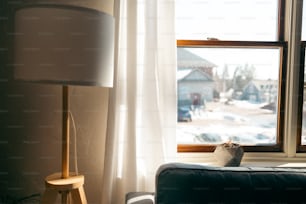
[197,184]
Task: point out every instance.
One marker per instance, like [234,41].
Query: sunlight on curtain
[141,131]
[121,133]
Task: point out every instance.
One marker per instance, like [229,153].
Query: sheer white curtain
[142,112]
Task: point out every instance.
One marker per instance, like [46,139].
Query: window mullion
[281,20]
[291,110]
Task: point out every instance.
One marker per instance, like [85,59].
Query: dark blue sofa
[178,183]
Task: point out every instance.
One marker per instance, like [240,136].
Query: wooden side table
[71,189]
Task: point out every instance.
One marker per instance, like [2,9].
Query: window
[302,106]
[302,89]
[231,65]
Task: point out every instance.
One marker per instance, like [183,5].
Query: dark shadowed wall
[30,122]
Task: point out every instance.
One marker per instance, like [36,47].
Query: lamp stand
[65,133]
[69,185]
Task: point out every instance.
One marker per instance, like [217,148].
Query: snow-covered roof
[193,75]
[182,73]
[188,59]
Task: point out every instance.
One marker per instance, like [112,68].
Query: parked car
[183,114]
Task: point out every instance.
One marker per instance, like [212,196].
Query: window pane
[304,23]
[227,94]
[250,20]
[303,138]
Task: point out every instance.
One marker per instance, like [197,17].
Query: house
[194,79]
[260,91]
[189,60]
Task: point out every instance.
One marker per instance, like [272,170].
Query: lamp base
[70,188]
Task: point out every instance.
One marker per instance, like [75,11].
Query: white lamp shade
[64,44]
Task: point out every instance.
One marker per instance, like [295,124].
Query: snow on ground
[238,121]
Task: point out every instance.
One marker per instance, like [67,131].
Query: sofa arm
[139,198]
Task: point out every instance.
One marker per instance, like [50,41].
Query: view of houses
[222,106]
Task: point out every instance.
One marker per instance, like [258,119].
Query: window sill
[249,159]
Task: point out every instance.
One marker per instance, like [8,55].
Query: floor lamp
[66,45]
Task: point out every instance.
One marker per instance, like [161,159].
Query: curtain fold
[142,110]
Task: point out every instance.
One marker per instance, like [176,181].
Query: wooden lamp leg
[65,140]
[65,134]
[69,186]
